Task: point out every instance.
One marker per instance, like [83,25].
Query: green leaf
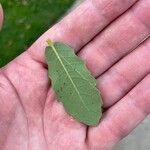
[73,84]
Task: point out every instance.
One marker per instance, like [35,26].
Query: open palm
[112,37]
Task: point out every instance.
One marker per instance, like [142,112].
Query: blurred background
[25,21]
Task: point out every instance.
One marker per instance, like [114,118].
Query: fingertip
[1,16]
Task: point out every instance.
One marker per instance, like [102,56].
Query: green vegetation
[73,84]
[25,21]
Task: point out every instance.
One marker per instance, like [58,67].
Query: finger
[123,117]
[118,39]
[80,26]
[123,76]
[1,16]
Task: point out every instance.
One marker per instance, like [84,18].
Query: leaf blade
[77,104]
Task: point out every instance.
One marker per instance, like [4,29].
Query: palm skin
[30,115]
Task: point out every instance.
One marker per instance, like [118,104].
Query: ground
[25,21]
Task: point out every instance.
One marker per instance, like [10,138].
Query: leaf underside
[73,84]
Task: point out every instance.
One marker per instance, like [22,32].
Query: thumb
[1,16]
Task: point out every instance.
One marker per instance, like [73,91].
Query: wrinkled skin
[30,115]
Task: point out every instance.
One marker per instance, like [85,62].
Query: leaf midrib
[58,57]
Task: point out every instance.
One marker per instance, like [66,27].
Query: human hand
[30,115]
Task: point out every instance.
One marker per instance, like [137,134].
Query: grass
[25,21]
